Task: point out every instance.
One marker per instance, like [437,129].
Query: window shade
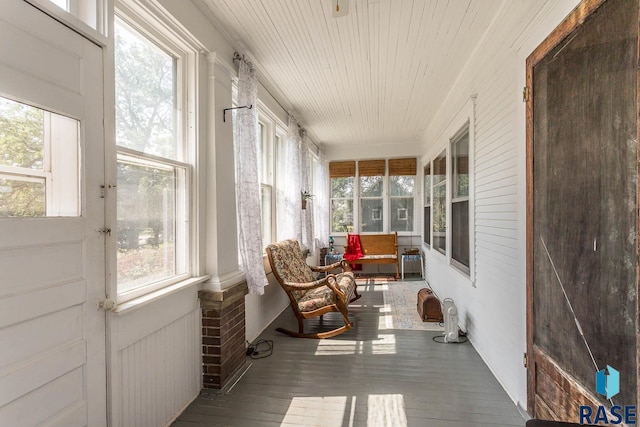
[342,169]
[463,165]
[371,167]
[403,166]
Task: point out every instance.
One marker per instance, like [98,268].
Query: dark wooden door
[582,214]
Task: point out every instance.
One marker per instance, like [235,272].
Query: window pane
[460,160]
[371,215]
[370,186]
[440,168]
[22,197]
[21,135]
[341,216]
[427,185]
[401,185]
[61,4]
[440,217]
[439,213]
[145,95]
[460,234]
[402,214]
[427,225]
[342,187]
[263,153]
[39,158]
[146,209]
[265,211]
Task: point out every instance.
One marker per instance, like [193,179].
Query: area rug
[400,307]
[374,279]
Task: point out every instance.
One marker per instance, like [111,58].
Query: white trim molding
[220,283]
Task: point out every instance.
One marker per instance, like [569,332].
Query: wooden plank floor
[368,376]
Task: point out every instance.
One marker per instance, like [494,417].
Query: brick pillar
[223,334]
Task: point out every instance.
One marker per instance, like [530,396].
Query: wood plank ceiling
[375,76]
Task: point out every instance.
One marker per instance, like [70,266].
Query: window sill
[151,297]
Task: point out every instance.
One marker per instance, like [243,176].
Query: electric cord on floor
[260,349]
[462,338]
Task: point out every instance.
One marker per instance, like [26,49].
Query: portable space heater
[450,313]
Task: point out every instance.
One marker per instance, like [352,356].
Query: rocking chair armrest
[332,283]
[304,286]
[325,268]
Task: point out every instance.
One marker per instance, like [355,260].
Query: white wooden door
[52,269]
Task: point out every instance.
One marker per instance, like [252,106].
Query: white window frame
[279,140]
[427,203]
[445,183]
[88,17]
[185,50]
[465,119]
[267,179]
[455,198]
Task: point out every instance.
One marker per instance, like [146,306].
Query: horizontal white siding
[493,309]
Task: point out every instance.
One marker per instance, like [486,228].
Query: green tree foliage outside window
[21,146]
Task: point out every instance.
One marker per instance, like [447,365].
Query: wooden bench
[378,249]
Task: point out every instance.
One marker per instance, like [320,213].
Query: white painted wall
[261,310]
[379,151]
[494,311]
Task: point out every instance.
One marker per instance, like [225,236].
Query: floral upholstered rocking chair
[310,297]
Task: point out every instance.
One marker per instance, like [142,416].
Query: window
[153,170]
[265,153]
[371,174]
[402,175]
[61,4]
[427,205]
[440,203]
[88,11]
[342,175]
[460,199]
[281,172]
[385,198]
[39,162]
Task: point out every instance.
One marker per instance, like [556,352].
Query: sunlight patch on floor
[337,410]
[337,347]
[386,410]
[382,410]
[385,321]
[383,344]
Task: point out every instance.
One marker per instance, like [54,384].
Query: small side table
[412,257]
[331,258]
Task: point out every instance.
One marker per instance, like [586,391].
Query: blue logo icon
[608,385]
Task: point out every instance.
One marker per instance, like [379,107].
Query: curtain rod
[237,56]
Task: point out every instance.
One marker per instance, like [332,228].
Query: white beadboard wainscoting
[156,361]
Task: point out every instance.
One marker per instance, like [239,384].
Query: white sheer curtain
[306,176]
[289,198]
[247,181]
[321,201]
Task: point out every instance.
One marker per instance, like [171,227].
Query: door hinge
[525,94]
[106,304]
[525,360]
[104,230]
